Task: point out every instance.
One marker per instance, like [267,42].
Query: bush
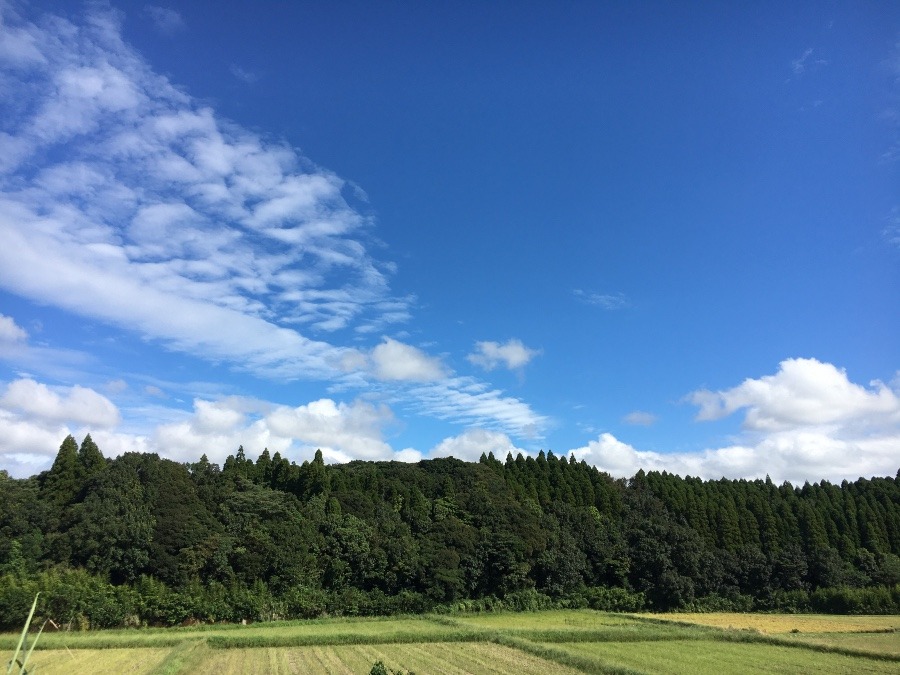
[614,599]
[845,600]
[717,603]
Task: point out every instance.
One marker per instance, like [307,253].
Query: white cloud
[243,74]
[470,444]
[153,390]
[891,231]
[512,354]
[806,422]
[804,63]
[63,404]
[28,446]
[35,418]
[803,392]
[342,431]
[798,65]
[164,219]
[393,360]
[124,199]
[795,456]
[608,301]
[640,418]
[470,402]
[167,21]
[10,332]
[116,386]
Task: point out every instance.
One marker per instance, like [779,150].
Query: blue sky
[650,234]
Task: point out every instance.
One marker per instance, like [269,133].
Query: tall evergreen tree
[61,484]
[90,459]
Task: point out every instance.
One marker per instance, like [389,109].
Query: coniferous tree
[61,484]
[90,459]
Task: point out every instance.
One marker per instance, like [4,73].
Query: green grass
[571,619]
[875,643]
[716,657]
[93,661]
[455,658]
[562,641]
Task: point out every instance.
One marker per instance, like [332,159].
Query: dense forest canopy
[139,539]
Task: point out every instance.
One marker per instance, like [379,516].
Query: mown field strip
[297,633]
[714,658]
[783,623]
[93,661]
[872,643]
[457,658]
[572,619]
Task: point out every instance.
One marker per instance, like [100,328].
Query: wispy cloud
[243,74]
[164,219]
[473,403]
[609,301]
[798,65]
[125,200]
[512,354]
[806,62]
[166,20]
[640,418]
[892,229]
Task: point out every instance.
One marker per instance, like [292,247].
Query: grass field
[787,623]
[555,642]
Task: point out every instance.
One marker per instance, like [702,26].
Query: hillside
[143,540]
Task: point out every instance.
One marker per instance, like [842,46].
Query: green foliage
[142,540]
[378,668]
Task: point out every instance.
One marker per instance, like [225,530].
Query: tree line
[140,540]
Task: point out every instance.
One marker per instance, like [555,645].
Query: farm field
[785,623]
[556,642]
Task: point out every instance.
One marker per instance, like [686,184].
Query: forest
[141,540]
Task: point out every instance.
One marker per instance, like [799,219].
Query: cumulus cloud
[806,422]
[512,354]
[640,418]
[342,431]
[608,301]
[34,419]
[470,444]
[804,392]
[64,404]
[795,456]
[393,360]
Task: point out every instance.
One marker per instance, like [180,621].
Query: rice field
[877,643]
[773,624]
[714,658]
[140,661]
[555,642]
[457,658]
